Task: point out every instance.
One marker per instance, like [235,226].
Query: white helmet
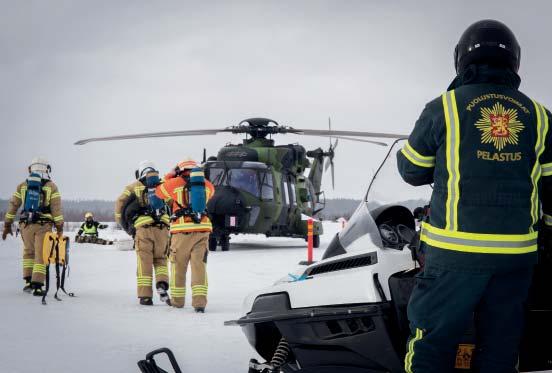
[144,167]
[41,166]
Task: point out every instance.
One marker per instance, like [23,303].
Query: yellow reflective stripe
[23,192]
[143,220]
[28,263]
[178,292]
[410,354]
[547,219]
[10,216]
[453,159]
[416,158]
[138,190]
[55,195]
[39,268]
[117,215]
[164,191]
[546,169]
[127,192]
[17,195]
[479,242]
[542,129]
[179,195]
[58,218]
[48,191]
[161,270]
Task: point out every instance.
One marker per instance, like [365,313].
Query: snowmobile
[347,312]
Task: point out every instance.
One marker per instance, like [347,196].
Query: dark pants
[444,303]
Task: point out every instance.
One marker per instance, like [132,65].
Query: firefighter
[151,238]
[89,228]
[487,148]
[41,211]
[189,232]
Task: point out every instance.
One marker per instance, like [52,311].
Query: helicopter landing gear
[225,243]
[212,242]
[315,241]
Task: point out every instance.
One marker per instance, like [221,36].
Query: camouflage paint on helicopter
[261,188]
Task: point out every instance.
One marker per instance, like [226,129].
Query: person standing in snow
[487,148]
[89,228]
[152,236]
[41,211]
[189,235]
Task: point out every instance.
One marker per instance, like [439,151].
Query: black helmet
[487,42]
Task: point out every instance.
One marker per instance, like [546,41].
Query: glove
[59,230]
[7,230]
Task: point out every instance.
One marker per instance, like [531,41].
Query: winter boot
[199,309]
[37,289]
[146,301]
[162,290]
[28,288]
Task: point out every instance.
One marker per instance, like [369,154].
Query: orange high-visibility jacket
[173,191]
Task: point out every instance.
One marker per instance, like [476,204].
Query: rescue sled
[347,312]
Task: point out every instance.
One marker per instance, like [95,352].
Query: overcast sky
[77,69]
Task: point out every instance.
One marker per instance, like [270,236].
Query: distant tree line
[74,210]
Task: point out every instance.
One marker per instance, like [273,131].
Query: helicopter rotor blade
[324,133]
[154,135]
[359,140]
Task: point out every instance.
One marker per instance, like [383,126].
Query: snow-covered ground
[105,330]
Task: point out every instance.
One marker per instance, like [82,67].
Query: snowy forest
[74,210]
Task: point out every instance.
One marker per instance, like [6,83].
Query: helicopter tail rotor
[331,154]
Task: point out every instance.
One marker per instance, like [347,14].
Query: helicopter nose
[228,208]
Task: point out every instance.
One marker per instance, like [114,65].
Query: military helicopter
[263,188]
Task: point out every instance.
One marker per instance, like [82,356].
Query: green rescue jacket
[487,149]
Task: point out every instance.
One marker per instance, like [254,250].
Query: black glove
[7,230]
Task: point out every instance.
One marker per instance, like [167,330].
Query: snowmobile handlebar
[150,366]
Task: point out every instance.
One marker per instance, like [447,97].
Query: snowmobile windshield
[388,188]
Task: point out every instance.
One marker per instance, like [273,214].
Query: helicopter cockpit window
[244,179]
[215,175]
[267,186]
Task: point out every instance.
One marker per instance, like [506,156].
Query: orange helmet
[186,164]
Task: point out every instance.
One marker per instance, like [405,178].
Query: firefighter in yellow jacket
[190,229]
[151,223]
[41,211]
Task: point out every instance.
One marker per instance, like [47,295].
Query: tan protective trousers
[151,251]
[33,238]
[189,248]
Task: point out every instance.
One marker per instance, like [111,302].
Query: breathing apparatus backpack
[195,196]
[156,206]
[130,211]
[33,199]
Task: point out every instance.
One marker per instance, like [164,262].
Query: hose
[281,354]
